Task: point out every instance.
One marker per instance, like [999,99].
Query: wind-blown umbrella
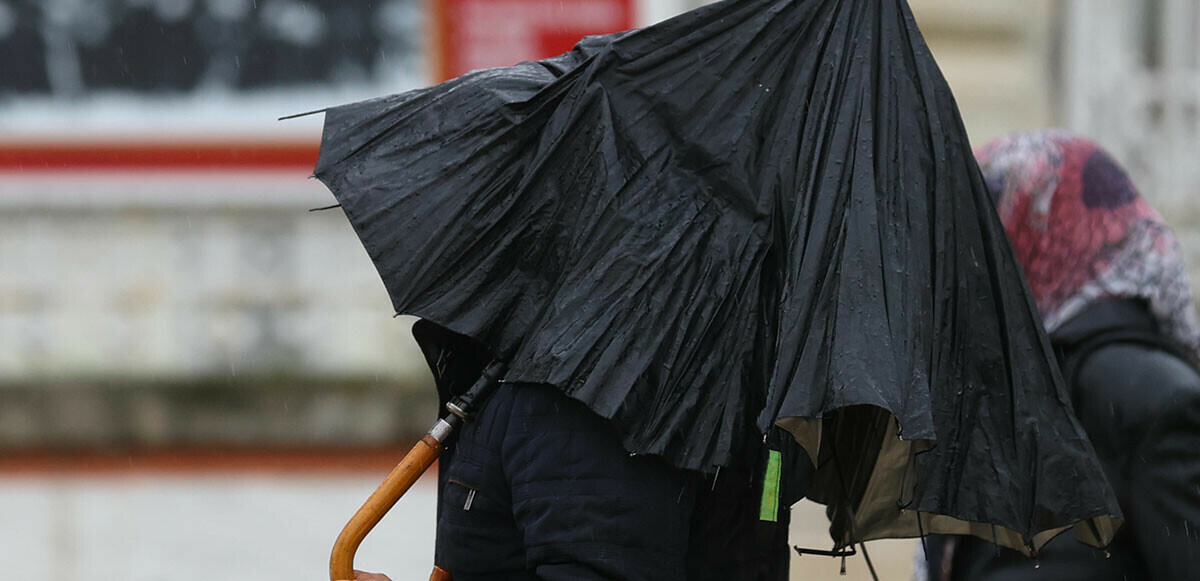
[760,213]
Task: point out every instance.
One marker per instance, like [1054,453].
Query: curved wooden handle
[403,476]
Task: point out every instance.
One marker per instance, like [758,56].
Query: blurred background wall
[162,282]
[165,290]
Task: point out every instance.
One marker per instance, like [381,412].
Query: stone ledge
[241,412]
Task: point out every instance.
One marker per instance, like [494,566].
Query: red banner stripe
[203,460]
[158,156]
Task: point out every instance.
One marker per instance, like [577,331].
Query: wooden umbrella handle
[403,476]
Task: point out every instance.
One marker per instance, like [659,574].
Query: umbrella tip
[305,114]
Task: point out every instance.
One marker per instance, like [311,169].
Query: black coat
[536,486]
[1138,398]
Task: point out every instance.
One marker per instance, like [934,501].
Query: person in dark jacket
[1108,278]
[538,487]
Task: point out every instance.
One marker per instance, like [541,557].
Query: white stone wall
[1132,82]
[187,275]
[996,55]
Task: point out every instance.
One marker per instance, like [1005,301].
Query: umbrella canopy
[760,213]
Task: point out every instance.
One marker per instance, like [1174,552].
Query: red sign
[479,34]
[124,156]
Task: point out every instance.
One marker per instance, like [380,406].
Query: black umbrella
[760,213]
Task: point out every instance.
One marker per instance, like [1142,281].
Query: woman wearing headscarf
[1110,283]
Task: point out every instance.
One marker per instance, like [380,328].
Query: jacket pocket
[458,490]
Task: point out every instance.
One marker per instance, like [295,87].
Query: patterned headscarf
[1082,232]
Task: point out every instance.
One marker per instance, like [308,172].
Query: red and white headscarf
[1082,231]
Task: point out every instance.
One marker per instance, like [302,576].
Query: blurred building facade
[1131,79]
[164,305]
[152,296]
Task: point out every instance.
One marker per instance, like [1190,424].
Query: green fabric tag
[769,511]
